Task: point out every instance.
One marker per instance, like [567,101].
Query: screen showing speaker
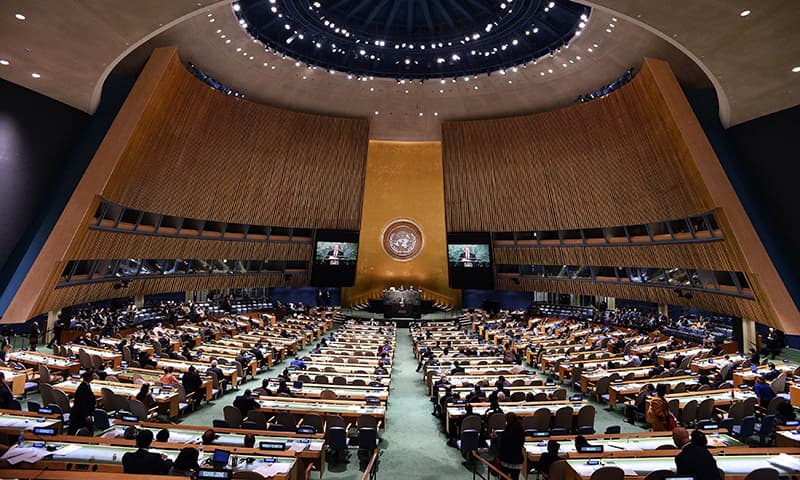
[335,258]
[469,258]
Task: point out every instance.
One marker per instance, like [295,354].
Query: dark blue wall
[307,295]
[508,299]
[75,137]
[761,160]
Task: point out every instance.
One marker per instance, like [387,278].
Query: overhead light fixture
[795,69]
[35,75]
[4,62]
[20,16]
[745,13]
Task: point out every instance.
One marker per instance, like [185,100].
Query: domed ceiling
[413,39]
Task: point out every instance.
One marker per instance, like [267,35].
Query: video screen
[336,253]
[471,255]
[469,258]
[335,258]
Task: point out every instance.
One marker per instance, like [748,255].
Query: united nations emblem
[402,239]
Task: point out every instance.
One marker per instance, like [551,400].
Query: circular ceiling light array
[412,39]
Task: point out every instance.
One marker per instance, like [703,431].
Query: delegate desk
[522,409]
[183,366]
[721,398]
[464,391]
[746,376]
[167,400]
[347,409]
[64,365]
[16,379]
[589,378]
[711,364]
[735,462]
[565,367]
[347,368]
[113,359]
[384,380]
[94,454]
[14,421]
[665,357]
[308,447]
[620,442]
[469,380]
[343,392]
[154,376]
[618,390]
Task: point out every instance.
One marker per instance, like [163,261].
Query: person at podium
[467,257]
[334,255]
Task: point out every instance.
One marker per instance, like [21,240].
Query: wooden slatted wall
[618,160]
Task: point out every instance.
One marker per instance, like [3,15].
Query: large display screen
[335,257]
[336,253]
[469,257]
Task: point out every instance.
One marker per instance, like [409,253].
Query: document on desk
[24,454]
[785,461]
[298,447]
[271,469]
[315,447]
[66,450]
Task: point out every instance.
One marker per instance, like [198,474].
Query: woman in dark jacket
[511,443]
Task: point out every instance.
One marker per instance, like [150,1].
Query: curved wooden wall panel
[199,153]
[102,245]
[716,255]
[727,304]
[618,160]
[178,147]
[91,292]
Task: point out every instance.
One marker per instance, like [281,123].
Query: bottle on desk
[21,438]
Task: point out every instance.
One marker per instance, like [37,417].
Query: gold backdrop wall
[403,181]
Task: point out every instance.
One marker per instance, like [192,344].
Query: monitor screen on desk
[220,457]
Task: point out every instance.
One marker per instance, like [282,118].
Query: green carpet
[413,445]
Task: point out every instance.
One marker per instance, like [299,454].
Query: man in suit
[83,407]
[6,397]
[467,255]
[192,383]
[218,372]
[694,458]
[143,462]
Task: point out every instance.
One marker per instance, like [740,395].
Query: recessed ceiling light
[745,13]
[35,75]
[20,16]
[420,114]
[795,69]
[4,62]
[376,112]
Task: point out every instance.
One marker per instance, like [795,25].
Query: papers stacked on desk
[271,469]
[786,462]
[17,455]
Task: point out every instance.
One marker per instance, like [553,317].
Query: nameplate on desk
[678,478]
[709,426]
[209,473]
[306,430]
[792,423]
[576,398]
[75,376]
[377,401]
[130,418]
[540,434]
[167,387]
[272,445]
[591,449]
[46,410]
[44,431]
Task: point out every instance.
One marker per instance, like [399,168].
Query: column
[138,300]
[51,322]
[663,310]
[612,303]
[749,336]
